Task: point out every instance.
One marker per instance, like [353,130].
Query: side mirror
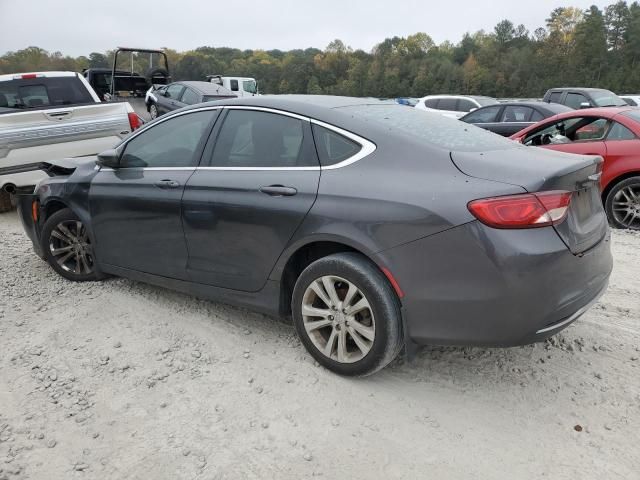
[109,158]
[585,105]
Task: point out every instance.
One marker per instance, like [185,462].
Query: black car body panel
[220,234]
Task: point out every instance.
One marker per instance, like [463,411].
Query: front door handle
[279,191]
[167,184]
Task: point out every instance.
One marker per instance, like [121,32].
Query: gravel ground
[118,380]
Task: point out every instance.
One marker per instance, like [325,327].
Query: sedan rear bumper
[475,285]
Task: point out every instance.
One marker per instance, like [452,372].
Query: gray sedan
[375,226]
[181,94]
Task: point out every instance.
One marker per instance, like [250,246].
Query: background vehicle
[613,134]
[119,84]
[48,115]
[453,106]
[240,86]
[101,81]
[578,98]
[180,94]
[510,117]
[252,201]
[409,102]
[633,100]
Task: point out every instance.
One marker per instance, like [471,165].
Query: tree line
[593,47]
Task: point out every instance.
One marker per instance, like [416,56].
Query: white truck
[51,115]
[241,86]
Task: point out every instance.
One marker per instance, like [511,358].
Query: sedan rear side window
[254,139]
[172,143]
[332,147]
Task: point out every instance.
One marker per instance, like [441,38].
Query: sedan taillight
[134,121]
[529,210]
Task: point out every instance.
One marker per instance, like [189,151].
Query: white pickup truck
[51,115]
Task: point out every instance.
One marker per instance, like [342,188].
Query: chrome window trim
[167,169]
[268,110]
[163,119]
[260,169]
[367,149]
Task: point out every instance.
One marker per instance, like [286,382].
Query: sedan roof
[208,88]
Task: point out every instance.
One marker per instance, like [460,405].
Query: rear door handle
[167,184]
[279,191]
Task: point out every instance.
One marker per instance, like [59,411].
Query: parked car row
[587,121]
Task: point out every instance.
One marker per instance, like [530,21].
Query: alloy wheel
[338,319]
[70,247]
[153,112]
[626,206]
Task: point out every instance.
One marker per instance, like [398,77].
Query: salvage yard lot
[118,379]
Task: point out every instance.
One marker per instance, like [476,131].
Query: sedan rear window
[434,129]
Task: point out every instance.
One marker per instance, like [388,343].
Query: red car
[612,133]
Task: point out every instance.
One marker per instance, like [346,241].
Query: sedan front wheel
[67,246]
[153,111]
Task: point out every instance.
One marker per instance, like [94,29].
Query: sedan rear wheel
[347,314]
[623,204]
[338,319]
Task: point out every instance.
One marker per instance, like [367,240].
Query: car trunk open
[538,170]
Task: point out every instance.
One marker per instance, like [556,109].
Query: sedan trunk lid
[538,170]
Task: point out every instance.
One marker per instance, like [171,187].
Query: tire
[623,204]
[153,111]
[64,232]
[156,72]
[378,326]
[6,204]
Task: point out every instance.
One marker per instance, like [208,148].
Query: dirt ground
[120,380]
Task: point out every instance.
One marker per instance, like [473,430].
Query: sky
[79,27]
